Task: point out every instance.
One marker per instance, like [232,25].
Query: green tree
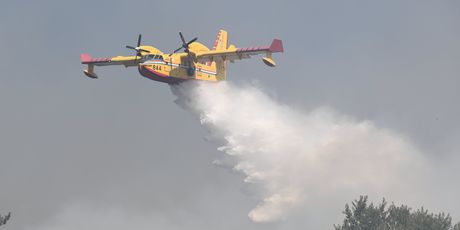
[4,219]
[456,227]
[364,216]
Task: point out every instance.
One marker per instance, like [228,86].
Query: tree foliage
[364,216]
[4,219]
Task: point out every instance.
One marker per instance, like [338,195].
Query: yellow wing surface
[127,61]
[232,53]
[119,60]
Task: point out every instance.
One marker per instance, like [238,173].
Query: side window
[184,62]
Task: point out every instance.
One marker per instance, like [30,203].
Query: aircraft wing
[119,60]
[232,53]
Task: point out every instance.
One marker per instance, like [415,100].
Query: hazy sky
[72,145]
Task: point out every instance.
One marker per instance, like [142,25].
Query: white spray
[298,158]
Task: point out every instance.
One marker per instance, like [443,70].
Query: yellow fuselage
[174,68]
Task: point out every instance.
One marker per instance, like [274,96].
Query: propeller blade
[130,47]
[177,49]
[182,38]
[192,41]
[144,50]
[139,40]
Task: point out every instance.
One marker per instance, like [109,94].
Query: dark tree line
[4,219]
[364,216]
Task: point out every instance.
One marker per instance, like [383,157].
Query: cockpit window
[153,56]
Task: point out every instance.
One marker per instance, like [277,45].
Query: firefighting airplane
[196,62]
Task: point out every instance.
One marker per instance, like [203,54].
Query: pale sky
[120,142]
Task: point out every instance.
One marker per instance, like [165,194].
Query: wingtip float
[196,62]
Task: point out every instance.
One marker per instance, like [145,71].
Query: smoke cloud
[295,158]
[82,215]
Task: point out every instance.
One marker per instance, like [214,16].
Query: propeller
[185,45]
[137,48]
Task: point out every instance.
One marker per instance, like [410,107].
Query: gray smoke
[302,158]
[300,167]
